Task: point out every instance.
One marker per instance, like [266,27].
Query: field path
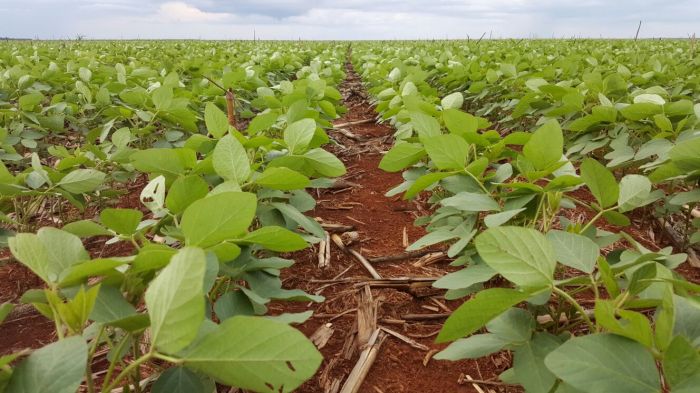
[380,222]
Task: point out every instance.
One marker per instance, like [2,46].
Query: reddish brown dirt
[380,222]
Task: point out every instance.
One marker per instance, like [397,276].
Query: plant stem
[577,306]
[113,363]
[131,367]
[168,358]
[91,354]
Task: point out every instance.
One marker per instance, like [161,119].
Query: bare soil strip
[390,322]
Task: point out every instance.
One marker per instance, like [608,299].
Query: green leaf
[685,155]
[281,178]
[121,221]
[424,182]
[86,228]
[476,312]
[447,151]
[184,191]
[162,98]
[81,181]
[219,217]
[402,156]
[276,239]
[650,99]
[605,363]
[546,146]
[521,255]
[215,120]
[426,126]
[256,354]
[262,122]
[472,347]
[49,253]
[465,278]
[175,301]
[529,363]
[600,181]
[514,326]
[471,202]
[452,101]
[299,134]
[324,163]
[432,238]
[230,160]
[574,250]
[634,192]
[292,213]
[681,362]
[632,325]
[55,368]
[498,219]
[5,310]
[182,380]
[170,162]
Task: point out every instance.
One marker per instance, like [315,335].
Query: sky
[346,19]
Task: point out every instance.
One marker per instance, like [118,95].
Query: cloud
[179,11]
[347,19]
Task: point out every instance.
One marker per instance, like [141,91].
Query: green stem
[577,306]
[596,218]
[131,367]
[168,358]
[91,355]
[113,363]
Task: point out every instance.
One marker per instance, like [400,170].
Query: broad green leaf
[424,182]
[476,312]
[5,310]
[182,380]
[452,101]
[292,213]
[121,221]
[219,217]
[49,253]
[402,156]
[299,134]
[546,146]
[215,120]
[605,363]
[574,250]
[521,255]
[632,325]
[514,326]
[432,238]
[175,301]
[81,181]
[447,151]
[634,192]
[425,125]
[281,178]
[600,181]
[169,162]
[184,191]
[687,318]
[681,362]
[497,219]
[472,347]
[471,202]
[162,98]
[324,163]
[650,99]
[55,368]
[276,239]
[262,122]
[110,306]
[256,354]
[685,155]
[529,363]
[86,228]
[465,278]
[230,160]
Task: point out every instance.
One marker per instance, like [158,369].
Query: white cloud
[178,11]
[347,19]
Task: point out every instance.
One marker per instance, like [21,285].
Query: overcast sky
[346,19]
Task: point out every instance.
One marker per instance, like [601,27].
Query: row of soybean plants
[222,201]
[575,318]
